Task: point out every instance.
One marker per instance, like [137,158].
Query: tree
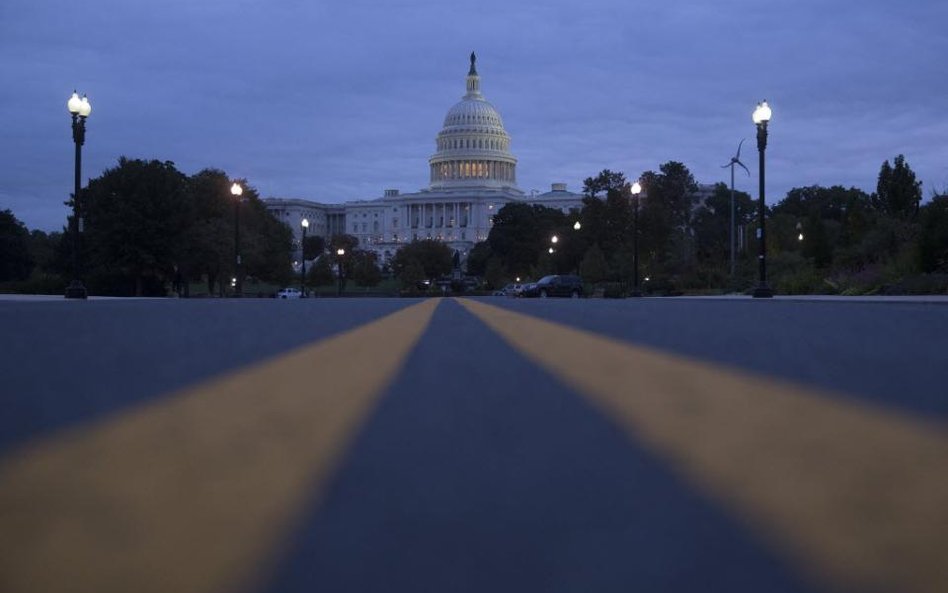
[313,247]
[434,258]
[605,182]
[16,262]
[816,242]
[365,269]
[320,274]
[711,224]
[265,242]
[411,274]
[137,216]
[45,247]
[521,232]
[932,249]
[594,267]
[665,215]
[210,235]
[478,258]
[897,194]
[347,242]
[494,274]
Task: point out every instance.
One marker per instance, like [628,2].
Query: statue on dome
[473,70]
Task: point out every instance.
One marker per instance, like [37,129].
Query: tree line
[150,228]
[819,239]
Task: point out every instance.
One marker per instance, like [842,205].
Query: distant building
[473,174]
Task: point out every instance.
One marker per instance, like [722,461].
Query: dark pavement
[473,459]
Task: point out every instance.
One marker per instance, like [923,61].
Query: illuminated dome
[473,146]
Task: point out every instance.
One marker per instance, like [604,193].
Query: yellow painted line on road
[857,495]
[195,492]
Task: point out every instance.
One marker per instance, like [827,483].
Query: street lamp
[80,110]
[305,224]
[636,189]
[340,253]
[761,117]
[237,191]
[577,226]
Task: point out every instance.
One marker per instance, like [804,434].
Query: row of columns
[441,215]
[473,170]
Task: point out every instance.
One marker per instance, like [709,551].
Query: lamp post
[80,110]
[636,189]
[340,253]
[761,117]
[237,191]
[305,224]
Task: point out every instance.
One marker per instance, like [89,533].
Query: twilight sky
[338,100]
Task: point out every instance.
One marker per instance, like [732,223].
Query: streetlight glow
[551,251]
[763,113]
[85,107]
[340,252]
[74,103]
[305,223]
[236,189]
[577,226]
[636,188]
[554,239]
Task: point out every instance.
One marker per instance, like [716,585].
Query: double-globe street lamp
[761,117]
[305,224]
[635,190]
[340,253]
[80,110]
[236,190]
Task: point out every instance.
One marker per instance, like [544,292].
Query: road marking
[194,493]
[856,494]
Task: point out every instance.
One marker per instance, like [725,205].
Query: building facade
[472,173]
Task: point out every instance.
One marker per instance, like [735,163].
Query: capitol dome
[473,146]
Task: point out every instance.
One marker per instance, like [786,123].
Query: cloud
[339,100]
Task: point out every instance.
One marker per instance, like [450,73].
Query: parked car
[555,286]
[512,290]
[289,293]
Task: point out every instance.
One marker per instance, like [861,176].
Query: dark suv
[553,286]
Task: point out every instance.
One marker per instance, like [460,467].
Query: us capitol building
[473,175]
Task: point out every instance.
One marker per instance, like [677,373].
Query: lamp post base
[76,290]
[763,292]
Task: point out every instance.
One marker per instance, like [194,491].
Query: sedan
[551,286]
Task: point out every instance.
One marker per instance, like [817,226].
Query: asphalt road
[472,445]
